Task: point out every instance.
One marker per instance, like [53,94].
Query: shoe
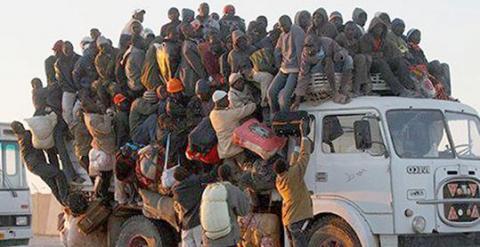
[77,181]
[408,94]
[341,99]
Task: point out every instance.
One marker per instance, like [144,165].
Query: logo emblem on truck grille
[418,169]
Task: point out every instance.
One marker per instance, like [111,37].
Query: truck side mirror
[313,131]
[363,136]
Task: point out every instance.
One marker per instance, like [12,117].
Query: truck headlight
[419,223]
[21,221]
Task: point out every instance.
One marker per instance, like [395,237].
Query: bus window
[11,171]
[11,159]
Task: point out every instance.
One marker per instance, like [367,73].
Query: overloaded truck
[384,171]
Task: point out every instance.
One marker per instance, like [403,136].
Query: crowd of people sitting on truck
[201,112]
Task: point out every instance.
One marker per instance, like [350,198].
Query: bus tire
[140,231]
[332,231]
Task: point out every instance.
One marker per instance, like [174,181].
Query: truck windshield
[419,134]
[465,132]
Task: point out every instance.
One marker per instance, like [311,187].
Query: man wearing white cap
[137,16]
[224,121]
[238,95]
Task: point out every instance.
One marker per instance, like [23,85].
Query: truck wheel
[332,231]
[138,231]
[114,226]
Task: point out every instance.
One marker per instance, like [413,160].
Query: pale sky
[450,33]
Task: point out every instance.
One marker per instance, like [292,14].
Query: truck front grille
[464,212]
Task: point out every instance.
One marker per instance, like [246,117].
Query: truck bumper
[470,239]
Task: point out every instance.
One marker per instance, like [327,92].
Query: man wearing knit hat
[303,19]
[143,118]
[174,86]
[137,17]
[349,40]
[105,66]
[84,72]
[239,60]
[168,54]
[230,22]
[207,23]
[54,101]
[187,193]
[336,19]
[238,206]
[321,27]
[50,61]
[201,104]
[396,38]
[239,56]
[359,17]
[120,119]
[176,92]
[224,121]
[105,60]
[238,95]
[288,52]
[63,74]
[173,16]
[133,60]
[191,68]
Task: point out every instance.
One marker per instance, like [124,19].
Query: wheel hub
[138,241]
[332,242]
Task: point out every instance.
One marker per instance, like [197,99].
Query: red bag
[439,88]
[258,138]
[210,158]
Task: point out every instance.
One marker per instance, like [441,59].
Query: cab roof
[384,104]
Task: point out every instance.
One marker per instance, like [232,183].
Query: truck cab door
[362,177]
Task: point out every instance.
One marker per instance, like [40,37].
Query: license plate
[461,212]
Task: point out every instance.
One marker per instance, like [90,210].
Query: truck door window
[338,135]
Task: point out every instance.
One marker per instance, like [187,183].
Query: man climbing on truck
[297,204]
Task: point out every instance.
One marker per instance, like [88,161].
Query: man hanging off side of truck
[297,204]
[37,164]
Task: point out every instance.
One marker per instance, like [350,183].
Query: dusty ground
[45,241]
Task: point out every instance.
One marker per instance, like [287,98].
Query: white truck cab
[391,171]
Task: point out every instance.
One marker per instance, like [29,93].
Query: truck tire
[332,231]
[114,226]
[139,231]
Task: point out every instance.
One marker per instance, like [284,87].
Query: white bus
[15,206]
